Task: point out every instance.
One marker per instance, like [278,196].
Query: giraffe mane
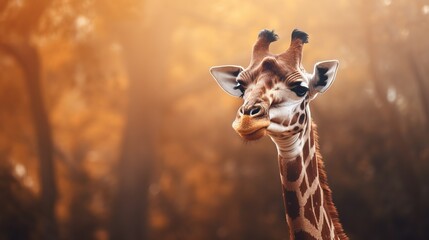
[327,192]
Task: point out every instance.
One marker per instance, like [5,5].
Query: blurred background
[112,128]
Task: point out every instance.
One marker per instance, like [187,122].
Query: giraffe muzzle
[251,126]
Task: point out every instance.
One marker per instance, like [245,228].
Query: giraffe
[277,91]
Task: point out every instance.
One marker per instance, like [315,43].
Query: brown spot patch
[301,235]
[312,137]
[302,105]
[301,118]
[317,201]
[305,151]
[292,205]
[294,169]
[309,212]
[303,187]
[269,84]
[294,118]
[312,170]
[326,233]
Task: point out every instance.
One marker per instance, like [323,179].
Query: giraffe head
[275,87]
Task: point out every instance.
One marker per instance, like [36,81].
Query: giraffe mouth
[250,128]
[255,135]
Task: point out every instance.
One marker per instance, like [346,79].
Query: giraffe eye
[240,86]
[300,90]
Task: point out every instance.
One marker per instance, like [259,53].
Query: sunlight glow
[425,9]
[20,170]
[19,3]
[391,94]
[84,26]
[387,2]
[81,21]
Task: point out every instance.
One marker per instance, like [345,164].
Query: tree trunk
[27,57]
[146,73]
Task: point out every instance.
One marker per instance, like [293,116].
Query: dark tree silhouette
[18,46]
[144,49]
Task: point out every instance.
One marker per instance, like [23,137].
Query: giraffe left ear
[323,76]
[226,77]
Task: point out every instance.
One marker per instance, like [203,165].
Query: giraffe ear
[226,76]
[323,76]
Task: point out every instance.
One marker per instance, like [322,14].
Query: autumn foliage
[112,128]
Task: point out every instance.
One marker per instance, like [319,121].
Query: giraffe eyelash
[240,86]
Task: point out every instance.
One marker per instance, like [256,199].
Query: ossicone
[262,45]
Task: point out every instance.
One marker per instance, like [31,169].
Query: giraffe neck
[310,212]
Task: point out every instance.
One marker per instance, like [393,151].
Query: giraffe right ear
[226,77]
[322,77]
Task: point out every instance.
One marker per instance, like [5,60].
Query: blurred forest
[112,128]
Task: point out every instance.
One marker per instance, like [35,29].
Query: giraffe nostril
[241,110]
[254,111]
